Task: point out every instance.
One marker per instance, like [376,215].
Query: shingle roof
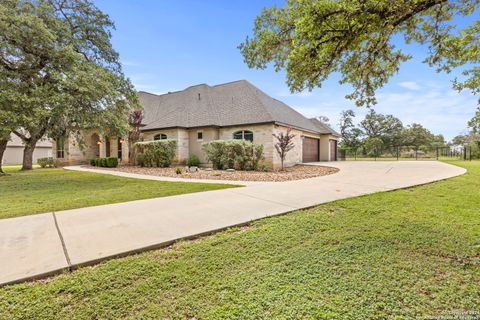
[324,128]
[229,104]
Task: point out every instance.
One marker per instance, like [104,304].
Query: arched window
[243,135]
[160,136]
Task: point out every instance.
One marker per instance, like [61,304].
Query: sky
[170,45]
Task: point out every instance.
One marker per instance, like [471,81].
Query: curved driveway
[38,245]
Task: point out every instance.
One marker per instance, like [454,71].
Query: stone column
[124,150]
[103,150]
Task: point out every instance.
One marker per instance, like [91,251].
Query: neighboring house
[14,152]
[201,113]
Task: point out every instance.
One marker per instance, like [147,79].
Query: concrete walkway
[39,245]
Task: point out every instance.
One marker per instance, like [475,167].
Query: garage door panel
[311,149]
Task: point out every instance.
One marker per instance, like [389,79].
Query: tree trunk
[3,147]
[28,154]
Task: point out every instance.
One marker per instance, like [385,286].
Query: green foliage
[474,123]
[193,160]
[313,39]
[404,254]
[59,72]
[158,153]
[46,162]
[46,190]
[178,171]
[141,160]
[233,154]
[108,162]
[373,146]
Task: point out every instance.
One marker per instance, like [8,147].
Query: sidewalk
[39,245]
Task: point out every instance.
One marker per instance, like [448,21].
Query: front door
[311,149]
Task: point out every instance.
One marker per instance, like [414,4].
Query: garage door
[311,148]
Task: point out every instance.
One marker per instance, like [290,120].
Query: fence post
[464,153]
[437,153]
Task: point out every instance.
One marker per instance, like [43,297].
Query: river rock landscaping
[297,172]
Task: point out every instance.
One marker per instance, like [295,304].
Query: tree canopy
[59,71]
[312,39]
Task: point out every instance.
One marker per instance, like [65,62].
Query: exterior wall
[14,154]
[77,154]
[182,137]
[209,134]
[325,147]
[262,134]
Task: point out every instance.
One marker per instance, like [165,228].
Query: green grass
[45,190]
[395,255]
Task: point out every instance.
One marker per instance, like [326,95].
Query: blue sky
[170,45]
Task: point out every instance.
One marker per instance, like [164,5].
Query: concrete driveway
[39,245]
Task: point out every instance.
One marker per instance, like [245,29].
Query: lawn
[395,255]
[44,190]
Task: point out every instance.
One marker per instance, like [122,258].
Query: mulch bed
[297,172]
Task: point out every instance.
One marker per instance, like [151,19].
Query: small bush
[110,162]
[193,160]
[141,160]
[265,168]
[233,154]
[158,153]
[46,162]
[178,171]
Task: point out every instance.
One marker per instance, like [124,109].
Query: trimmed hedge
[109,162]
[234,154]
[158,153]
[46,162]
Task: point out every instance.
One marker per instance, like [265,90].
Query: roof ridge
[230,82]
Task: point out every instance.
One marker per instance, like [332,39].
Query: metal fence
[407,153]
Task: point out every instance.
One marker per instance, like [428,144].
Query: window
[160,136]
[61,148]
[119,148]
[243,135]
[199,135]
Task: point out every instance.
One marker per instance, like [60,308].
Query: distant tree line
[378,132]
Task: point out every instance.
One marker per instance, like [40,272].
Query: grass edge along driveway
[46,190]
[391,255]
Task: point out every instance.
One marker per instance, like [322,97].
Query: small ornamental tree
[284,144]
[135,118]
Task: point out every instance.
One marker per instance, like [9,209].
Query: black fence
[407,153]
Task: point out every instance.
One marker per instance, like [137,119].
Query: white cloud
[439,108]
[410,85]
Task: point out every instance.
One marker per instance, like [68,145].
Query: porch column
[125,150]
[103,150]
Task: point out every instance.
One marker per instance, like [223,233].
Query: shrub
[178,171]
[112,162]
[193,160]
[141,160]
[158,153]
[233,154]
[46,162]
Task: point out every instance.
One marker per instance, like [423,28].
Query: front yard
[45,190]
[394,255]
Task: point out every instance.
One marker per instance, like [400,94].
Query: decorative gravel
[297,172]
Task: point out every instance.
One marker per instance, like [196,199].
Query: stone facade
[188,142]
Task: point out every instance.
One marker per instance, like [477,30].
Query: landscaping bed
[293,173]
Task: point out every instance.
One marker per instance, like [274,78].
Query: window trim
[161,136]
[243,135]
[60,152]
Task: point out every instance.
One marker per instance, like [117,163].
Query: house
[14,151]
[201,113]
